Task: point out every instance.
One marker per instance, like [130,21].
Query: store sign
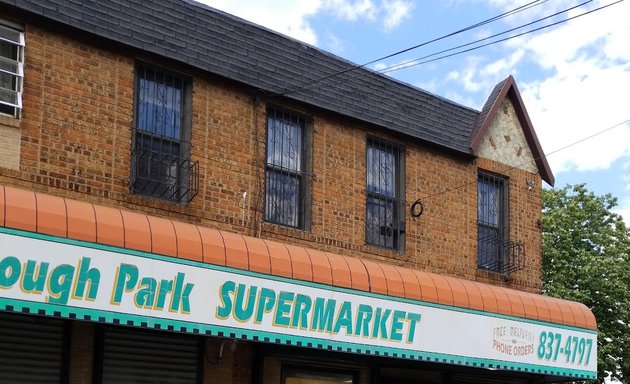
[64,278]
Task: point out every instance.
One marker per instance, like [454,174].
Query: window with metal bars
[161,155]
[492,230]
[287,170]
[11,70]
[385,207]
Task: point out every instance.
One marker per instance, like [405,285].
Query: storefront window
[321,376]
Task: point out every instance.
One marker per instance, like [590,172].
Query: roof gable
[506,90]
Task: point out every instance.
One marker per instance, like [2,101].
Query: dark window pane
[159,106]
[284,144]
[488,208]
[491,226]
[384,225]
[282,198]
[380,226]
[7,95]
[9,58]
[381,177]
[488,242]
[162,167]
[285,173]
[157,163]
[11,35]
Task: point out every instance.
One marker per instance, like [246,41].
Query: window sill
[489,273]
[286,231]
[10,121]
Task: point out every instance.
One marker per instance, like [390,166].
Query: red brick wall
[76,142]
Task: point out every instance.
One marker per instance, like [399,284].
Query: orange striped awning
[62,217]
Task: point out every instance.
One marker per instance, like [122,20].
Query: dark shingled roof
[225,45]
[491,101]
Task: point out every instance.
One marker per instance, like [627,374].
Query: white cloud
[430,86]
[483,33]
[395,12]
[390,13]
[452,75]
[626,176]
[334,43]
[582,82]
[460,98]
[379,66]
[285,16]
[497,69]
[470,77]
[585,67]
[352,10]
[587,92]
[533,11]
[292,17]
[624,210]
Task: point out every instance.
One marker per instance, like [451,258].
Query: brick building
[191,198]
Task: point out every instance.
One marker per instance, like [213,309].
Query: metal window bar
[385,223]
[495,251]
[11,70]
[286,176]
[162,167]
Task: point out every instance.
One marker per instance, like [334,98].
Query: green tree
[586,258]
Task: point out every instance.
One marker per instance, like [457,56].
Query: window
[302,375]
[11,70]
[492,241]
[385,208]
[287,172]
[162,167]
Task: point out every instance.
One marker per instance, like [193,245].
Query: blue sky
[574,77]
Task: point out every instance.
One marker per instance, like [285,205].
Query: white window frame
[12,34]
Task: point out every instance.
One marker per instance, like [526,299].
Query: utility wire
[506,170]
[468,28]
[414,62]
[421,60]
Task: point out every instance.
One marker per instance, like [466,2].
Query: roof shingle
[222,44]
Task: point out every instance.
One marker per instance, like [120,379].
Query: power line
[468,28]
[421,60]
[588,137]
[410,63]
[511,12]
[511,168]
